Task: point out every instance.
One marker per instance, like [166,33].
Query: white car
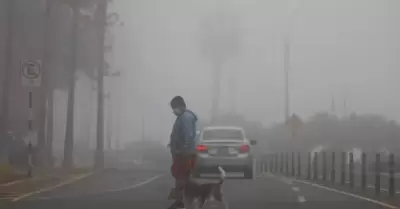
[227,147]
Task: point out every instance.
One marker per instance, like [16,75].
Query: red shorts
[182,166]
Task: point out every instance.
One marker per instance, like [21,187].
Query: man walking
[183,147]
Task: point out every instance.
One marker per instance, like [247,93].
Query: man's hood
[191,114]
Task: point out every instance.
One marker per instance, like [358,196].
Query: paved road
[129,188]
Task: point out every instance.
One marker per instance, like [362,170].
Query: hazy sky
[340,48]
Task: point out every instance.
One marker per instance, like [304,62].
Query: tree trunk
[69,131]
[41,154]
[101,15]
[7,68]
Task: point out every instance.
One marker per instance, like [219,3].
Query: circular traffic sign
[31,69]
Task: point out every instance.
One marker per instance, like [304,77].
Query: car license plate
[232,151]
[213,151]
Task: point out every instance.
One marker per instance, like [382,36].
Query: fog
[342,52]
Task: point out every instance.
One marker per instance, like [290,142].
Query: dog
[195,195]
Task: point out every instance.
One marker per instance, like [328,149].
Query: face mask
[176,111]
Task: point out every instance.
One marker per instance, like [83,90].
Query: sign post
[31,77]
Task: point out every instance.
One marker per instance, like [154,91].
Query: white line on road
[296,189]
[15,182]
[134,185]
[53,187]
[348,194]
[301,199]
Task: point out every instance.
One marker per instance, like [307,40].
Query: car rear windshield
[222,134]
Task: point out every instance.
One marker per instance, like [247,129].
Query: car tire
[248,173]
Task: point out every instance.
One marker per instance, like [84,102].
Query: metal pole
[363,171]
[271,165]
[281,163]
[309,166]
[343,170]
[324,166]
[4,114]
[276,162]
[392,190]
[377,174]
[333,169]
[315,163]
[298,165]
[287,164]
[101,26]
[293,165]
[351,169]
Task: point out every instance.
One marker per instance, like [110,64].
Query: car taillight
[244,148]
[201,148]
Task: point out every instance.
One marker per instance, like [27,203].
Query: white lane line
[52,187]
[295,189]
[301,199]
[16,182]
[134,185]
[348,194]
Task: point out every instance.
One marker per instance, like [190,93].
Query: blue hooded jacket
[183,134]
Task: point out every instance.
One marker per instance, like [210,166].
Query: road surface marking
[301,199]
[134,185]
[348,194]
[111,190]
[53,187]
[15,182]
[295,189]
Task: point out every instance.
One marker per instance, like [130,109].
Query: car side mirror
[253,142]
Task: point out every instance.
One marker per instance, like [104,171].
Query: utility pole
[216,90]
[143,128]
[233,91]
[101,15]
[286,67]
[4,114]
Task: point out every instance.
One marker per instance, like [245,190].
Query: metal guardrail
[350,173]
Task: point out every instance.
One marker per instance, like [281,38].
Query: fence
[323,166]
